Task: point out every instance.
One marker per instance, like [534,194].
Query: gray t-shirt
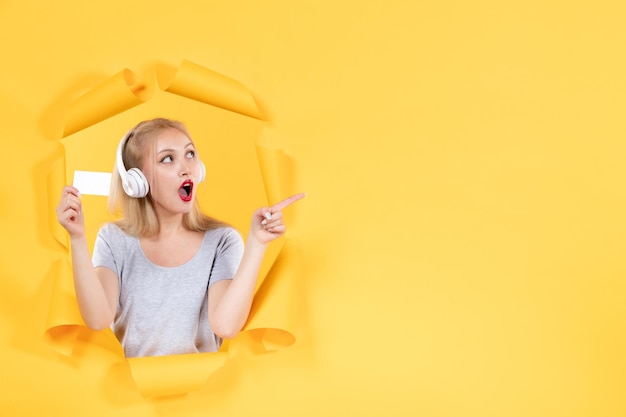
[162,310]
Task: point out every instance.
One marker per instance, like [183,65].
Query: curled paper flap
[274,313]
[272,319]
[158,376]
[201,84]
[273,316]
[273,167]
[64,320]
[115,95]
[55,183]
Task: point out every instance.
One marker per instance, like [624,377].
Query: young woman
[166,278]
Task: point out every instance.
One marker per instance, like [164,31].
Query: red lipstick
[186,190]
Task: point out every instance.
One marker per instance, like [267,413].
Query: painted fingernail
[264,222]
[268,215]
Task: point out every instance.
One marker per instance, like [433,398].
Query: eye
[166,159]
[191,154]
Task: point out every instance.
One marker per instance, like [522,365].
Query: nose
[186,168]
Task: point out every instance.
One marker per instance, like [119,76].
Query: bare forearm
[229,317]
[92,299]
[229,307]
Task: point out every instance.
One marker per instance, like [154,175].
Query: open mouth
[185,190]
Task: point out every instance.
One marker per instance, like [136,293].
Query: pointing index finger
[287,201]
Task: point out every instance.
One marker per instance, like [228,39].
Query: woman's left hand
[267,222]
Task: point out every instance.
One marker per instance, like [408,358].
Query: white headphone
[134,181]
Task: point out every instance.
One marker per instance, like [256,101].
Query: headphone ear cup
[202,172]
[135,183]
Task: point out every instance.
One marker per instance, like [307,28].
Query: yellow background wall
[463,232]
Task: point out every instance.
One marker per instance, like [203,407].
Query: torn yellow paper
[159,376]
[273,167]
[113,96]
[64,319]
[274,313]
[201,84]
[272,319]
[55,182]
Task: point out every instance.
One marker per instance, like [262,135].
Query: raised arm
[97,289]
[230,300]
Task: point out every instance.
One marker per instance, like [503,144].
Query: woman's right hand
[70,213]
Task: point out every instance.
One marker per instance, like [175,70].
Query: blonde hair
[138,215]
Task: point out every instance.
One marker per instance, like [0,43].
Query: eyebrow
[190,144]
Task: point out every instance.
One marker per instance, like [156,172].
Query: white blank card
[92,182]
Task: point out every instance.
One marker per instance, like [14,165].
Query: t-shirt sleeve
[227,257]
[103,252]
